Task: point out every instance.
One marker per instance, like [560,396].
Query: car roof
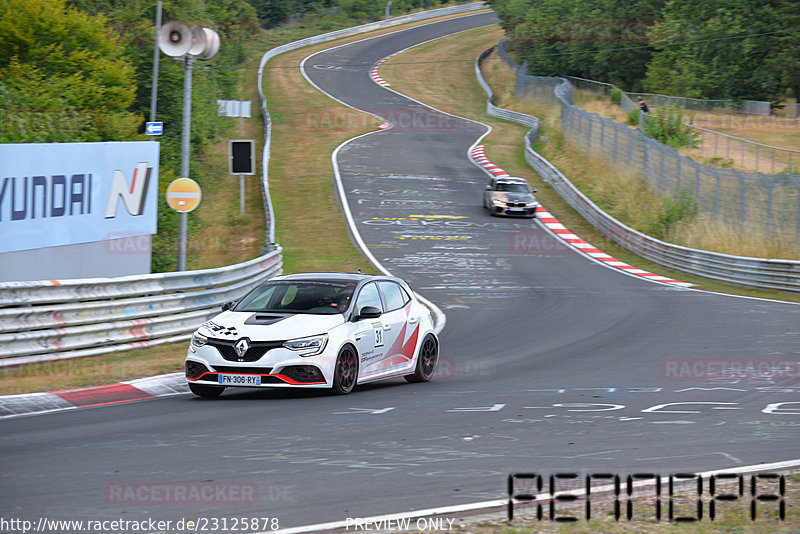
[350,277]
[511,179]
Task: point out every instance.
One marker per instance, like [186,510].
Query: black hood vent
[264,319]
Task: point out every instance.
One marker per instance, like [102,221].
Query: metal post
[156,56]
[388,5]
[185,138]
[241,176]
[241,194]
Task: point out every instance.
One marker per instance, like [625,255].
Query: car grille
[516,204]
[255,352]
[242,370]
[195,369]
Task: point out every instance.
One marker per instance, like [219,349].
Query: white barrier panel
[54,319]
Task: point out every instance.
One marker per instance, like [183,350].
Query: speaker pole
[185,138]
[154,90]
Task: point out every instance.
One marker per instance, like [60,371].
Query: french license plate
[239,380]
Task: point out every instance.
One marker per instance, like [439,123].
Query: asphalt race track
[550,363]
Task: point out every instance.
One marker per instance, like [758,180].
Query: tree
[726,52]
[594,39]
[57,61]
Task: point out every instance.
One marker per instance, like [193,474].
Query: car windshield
[512,187]
[322,297]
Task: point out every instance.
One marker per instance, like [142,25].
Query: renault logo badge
[241,347]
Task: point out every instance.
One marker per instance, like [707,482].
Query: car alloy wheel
[346,372]
[426,362]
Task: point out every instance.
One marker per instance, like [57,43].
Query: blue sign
[154,128]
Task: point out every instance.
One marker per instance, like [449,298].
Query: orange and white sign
[183,195]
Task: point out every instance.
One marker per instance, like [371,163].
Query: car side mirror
[228,305]
[488,187]
[535,190]
[369,312]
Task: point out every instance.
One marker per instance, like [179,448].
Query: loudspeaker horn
[175,39]
[198,41]
[212,44]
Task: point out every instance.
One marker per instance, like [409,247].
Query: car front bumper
[278,367]
[514,212]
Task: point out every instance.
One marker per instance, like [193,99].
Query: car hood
[231,325]
[513,197]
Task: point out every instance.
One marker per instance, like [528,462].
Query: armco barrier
[755,272]
[59,319]
[317,39]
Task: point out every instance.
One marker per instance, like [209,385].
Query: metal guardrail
[62,319]
[755,272]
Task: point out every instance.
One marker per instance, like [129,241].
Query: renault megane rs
[328,330]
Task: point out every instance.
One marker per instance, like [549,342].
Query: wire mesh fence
[749,154]
[755,202]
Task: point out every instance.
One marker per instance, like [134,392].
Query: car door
[400,327]
[369,333]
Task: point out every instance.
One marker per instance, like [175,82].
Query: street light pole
[185,139]
[154,89]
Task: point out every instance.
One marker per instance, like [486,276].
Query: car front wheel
[426,362]
[346,371]
[206,391]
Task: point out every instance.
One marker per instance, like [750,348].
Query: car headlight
[498,203]
[533,204]
[308,346]
[198,340]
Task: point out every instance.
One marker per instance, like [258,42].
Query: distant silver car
[510,196]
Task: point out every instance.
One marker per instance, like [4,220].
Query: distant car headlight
[308,346]
[198,340]
[498,203]
[533,204]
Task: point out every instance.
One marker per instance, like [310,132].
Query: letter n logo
[134,196]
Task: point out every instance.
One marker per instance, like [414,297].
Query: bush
[673,210]
[668,125]
[633,117]
[615,96]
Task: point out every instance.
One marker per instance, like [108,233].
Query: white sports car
[327,330]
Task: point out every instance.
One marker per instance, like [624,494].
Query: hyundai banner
[67,193]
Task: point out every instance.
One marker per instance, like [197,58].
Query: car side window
[394,295]
[369,296]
